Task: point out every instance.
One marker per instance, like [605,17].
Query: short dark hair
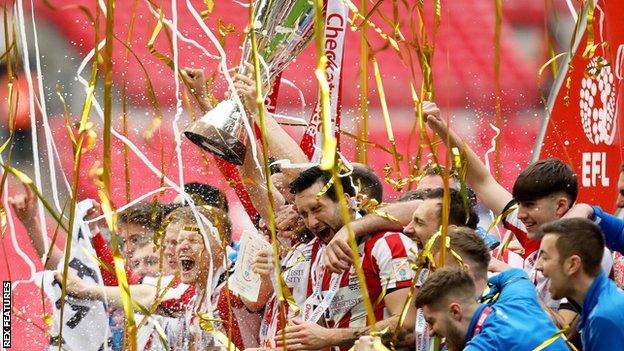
[412,195]
[205,194]
[147,214]
[314,174]
[468,244]
[364,177]
[581,237]
[544,178]
[443,284]
[459,215]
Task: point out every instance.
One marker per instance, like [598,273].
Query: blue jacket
[602,316]
[612,227]
[516,321]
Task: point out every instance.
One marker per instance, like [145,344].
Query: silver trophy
[283,29]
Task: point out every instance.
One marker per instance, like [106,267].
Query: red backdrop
[586,130]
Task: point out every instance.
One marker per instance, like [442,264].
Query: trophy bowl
[221,131]
[283,28]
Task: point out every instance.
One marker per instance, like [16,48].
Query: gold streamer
[124,102]
[150,44]
[463,189]
[590,47]
[283,293]
[372,25]
[206,324]
[498,108]
[387,122]
[553,338]
[361,145]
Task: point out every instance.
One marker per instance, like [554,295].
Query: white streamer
[50,144]
[178,34]
[572,10]
[298,120]
[299,92]
[486,158]
[176,80]
[19,12]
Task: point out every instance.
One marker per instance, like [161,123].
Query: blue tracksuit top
[602,316]
[612,227]
[516,322]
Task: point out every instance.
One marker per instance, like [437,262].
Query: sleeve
[513,284]
[390,254]
[612,227]
[177,299]
[604,333]
[105,254]
[512,223]
[486,340]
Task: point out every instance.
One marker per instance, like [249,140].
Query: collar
[591,297]
[470,333]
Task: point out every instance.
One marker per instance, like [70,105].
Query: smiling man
[515,321]
[337,299]
[427,217]
[570,255]
[542,192]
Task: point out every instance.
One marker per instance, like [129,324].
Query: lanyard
[317,273]
[484,314]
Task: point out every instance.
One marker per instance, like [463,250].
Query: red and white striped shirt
[385,265]
[296,273]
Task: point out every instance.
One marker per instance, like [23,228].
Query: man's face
[425,222]
[145,261]
[134,236]
[441,324]
[192,257]
[535,213]
[549,263]
[170,242]
[620,198]
[321,215]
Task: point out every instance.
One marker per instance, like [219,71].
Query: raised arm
[25,208]
[478,177]
[338,253]
[143,294]
[195,81]
[282,145]
[612,227]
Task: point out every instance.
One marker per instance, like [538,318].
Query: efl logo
[598,102]
[6,314]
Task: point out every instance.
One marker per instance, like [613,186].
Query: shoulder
[610,307]
[391,244]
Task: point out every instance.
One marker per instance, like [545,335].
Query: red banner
[587,107]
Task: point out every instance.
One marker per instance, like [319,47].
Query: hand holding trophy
[283,29]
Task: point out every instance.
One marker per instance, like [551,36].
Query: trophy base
[216,141]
